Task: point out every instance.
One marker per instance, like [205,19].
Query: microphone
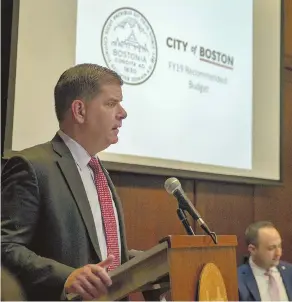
[173,186]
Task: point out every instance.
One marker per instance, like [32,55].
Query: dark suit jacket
[47,224]
[247,285]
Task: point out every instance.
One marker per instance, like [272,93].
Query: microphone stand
[183,218]
[184,207]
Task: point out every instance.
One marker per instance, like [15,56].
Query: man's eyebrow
[275,245]
[115,99]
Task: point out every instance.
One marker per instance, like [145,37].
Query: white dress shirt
[82,159]
[263,281]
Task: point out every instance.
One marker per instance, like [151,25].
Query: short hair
[83,82]
[252,231]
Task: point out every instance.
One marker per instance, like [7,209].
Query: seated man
[264,277]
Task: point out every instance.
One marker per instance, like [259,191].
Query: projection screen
[202,81]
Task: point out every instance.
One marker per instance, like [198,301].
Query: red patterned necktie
[107,212]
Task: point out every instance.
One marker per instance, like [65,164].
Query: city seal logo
[129,45]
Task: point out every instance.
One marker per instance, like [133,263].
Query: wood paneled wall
[227,208]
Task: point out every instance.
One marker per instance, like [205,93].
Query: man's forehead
[265,234]
[111,89]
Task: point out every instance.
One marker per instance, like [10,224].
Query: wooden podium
[176,264]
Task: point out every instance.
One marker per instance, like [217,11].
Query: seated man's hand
[90,281]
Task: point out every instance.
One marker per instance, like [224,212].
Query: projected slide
[187,69]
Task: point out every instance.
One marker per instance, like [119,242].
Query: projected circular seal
[211,284]
[129,45]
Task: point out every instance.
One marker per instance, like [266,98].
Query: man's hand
[90,281]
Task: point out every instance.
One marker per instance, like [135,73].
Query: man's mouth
[116,128]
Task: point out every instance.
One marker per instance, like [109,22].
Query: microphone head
[172,184]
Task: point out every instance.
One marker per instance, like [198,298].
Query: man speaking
[62,221]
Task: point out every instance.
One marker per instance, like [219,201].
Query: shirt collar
[80,155]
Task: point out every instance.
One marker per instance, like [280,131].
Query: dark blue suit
[247,285]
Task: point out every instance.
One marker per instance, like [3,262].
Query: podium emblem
[211,284]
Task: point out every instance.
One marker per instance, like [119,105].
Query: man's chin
[275,263]
[114,140]
[110,142]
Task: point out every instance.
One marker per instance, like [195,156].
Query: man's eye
[111,104]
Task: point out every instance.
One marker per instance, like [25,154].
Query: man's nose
[122,113]
[278,252]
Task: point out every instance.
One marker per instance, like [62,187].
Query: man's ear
[251,248]
[78,111]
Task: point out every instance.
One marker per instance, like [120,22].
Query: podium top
[188,241]
[178,256]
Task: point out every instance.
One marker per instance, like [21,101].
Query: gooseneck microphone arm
[183,218]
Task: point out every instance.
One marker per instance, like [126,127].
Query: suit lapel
[287,280]
[251,283]
[68,168]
